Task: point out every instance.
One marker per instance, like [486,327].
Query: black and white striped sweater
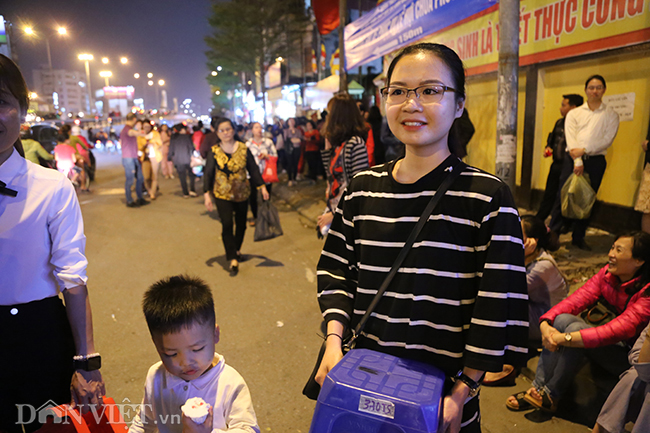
[460,297]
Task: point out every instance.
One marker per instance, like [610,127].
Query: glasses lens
[426,94]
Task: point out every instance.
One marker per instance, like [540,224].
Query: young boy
[181,319]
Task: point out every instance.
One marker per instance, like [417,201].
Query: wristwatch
[471,383]
[87,363]
[568,337]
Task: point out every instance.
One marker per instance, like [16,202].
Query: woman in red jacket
[625,284]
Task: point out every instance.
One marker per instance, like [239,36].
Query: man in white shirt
[590,130]
[48,349]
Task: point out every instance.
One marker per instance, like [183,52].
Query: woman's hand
[644,145]
[452,411]
[325,219]
[207,200]
[265,193]
[333,354]
[87,388]
[530,246]
[547,332]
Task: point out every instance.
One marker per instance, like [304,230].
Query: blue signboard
[394,24]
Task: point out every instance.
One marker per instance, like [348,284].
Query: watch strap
[90,363]
[471,383]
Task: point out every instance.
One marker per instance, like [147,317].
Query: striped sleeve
[356,156]
[498,332]
[337,269]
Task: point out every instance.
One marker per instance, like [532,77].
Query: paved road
[268,314]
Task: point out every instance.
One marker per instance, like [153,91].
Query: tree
[248,35]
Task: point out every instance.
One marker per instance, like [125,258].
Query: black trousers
[595,167]
[315,164]
[552,187]
[35,361]
[233,225]
[253,199]
[294,158]
[184,170]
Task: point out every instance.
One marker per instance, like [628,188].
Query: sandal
[547,404]
[506,377]
[522,403]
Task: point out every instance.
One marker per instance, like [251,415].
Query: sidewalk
[308,200]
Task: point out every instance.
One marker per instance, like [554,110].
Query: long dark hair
[344,120]
[11,79]
[640,251]
[536,229]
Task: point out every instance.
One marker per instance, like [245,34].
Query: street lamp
[136,75]
[215,73]
[86,58]
[124,60]
[106,75]
[219,68]
[161,82]
[150,82]
[60,30]
[150,75]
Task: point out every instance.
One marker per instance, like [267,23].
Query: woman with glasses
[459,300]
[225,180]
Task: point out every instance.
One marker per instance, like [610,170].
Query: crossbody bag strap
[454,171]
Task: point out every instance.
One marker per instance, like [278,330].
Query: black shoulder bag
[312,388]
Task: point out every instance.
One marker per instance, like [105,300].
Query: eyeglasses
[429,94]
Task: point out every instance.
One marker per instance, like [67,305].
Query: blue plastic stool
[371,392]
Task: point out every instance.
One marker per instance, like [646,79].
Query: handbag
[270,174]
[312,388]
[267,225]
[601,312]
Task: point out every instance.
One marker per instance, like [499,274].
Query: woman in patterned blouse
[226,169]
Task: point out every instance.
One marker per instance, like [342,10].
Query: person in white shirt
[180,315]
[590,130]
[42,243]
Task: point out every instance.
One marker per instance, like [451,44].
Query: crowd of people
[477,292]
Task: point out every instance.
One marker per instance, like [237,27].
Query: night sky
[164,37]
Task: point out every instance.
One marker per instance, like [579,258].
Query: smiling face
[189,352]
[621,262]
[418,125]
[10,119]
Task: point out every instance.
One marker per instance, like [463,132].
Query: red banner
[327,15]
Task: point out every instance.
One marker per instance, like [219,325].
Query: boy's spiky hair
[178,302]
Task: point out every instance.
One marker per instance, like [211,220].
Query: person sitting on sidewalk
[624,283]
[546,286]
[630,399]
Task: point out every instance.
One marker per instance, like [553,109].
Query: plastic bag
[267,225]
[270,174]
[578,197]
